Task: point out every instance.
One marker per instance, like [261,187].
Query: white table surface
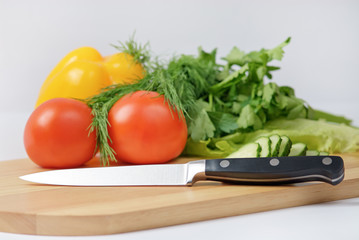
[332,220]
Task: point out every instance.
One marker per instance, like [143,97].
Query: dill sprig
[181,81]
[103,102]
[140,53]
[101,105]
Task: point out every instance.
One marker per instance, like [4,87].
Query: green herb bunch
[218,100]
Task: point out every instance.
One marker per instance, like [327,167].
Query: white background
[321,64]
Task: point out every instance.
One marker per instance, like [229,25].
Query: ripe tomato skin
[56,134]
[143,129]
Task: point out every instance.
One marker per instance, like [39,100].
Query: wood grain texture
[57,210]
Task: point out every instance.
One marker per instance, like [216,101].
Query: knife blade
[267,170]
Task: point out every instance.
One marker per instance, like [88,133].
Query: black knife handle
[277,170]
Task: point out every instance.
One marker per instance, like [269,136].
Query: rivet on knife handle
[274,170]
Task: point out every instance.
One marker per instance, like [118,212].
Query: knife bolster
[195,171]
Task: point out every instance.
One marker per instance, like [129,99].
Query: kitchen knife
[268,170]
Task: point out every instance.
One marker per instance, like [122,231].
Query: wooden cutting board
[57,210]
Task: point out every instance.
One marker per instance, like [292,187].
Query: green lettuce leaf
[317,134]
[209,148]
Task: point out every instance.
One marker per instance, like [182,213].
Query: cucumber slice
[248,150]
[323,153]
[265,144]
[275,144]
[312,153]
[298,149]
[285,146]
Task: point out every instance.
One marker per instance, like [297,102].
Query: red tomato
[145,130]
[56,134]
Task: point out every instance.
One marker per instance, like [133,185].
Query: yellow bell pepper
[84,72]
